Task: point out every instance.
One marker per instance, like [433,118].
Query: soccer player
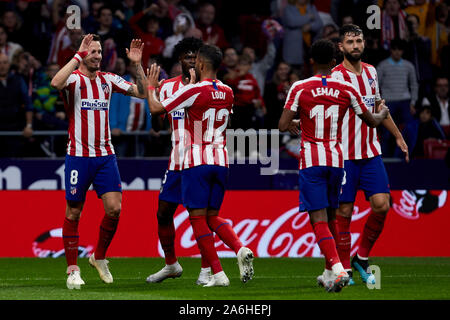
[364,168]
[90,155]
[170,193]
[322,102]
[208,104]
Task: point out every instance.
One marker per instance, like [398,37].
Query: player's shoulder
[171,81]
[369,67]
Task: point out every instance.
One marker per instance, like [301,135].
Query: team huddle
[338,110]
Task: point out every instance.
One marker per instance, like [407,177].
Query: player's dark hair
[212,54]
[95,37]
[323,51]
[186,45]
[351,29]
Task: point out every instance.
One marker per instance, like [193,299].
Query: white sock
[328,273]
[362,258]
[205,269]
[337,268]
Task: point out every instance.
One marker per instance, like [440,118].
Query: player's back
[321,103]
[208,105]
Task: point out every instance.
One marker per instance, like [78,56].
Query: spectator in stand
[259,68]
[418,52]
[357,9]
[393,23]
[275,94]
[67,53]
[438,102]
[249,106]
[16,110]
[398,86]
[302,24]
[420,129]
[182,24]
[129,114]
[229,62]
[212,33]
[121,67]
[7,47]
[49,113]
[330,32]
[438,33]
[153,45]
[420,10]
[126,9]
[13,25]
[114,40]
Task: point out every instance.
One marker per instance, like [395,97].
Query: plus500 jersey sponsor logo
[369,101]
[94,104]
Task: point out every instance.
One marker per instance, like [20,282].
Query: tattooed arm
[135,55]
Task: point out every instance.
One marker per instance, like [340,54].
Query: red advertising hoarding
[268,222]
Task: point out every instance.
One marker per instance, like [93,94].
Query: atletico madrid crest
[105,88]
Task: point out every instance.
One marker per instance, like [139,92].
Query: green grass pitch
[275,279]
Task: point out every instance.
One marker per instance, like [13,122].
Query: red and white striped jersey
[359,141]
[208,105]
[177,123]
[322,102]
[87,106]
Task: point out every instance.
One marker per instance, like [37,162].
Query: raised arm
[135,55]
[60,78]
[154,104]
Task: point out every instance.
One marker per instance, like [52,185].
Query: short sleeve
[293,97]
[183,98]
[119,84]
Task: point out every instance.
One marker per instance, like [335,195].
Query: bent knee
[114,210]
[345,210]
[381,206]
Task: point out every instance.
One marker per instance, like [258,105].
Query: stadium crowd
[265,46]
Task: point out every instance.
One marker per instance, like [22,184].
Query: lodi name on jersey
[218,95]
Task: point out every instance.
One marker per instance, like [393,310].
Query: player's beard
[352,57]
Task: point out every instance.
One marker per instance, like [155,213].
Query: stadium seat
[436,149]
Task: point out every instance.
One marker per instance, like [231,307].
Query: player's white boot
[245,263]
[204,277]
[102,268]
[219,279]
[74,280]
[337,282]
[325,278]
[169,271]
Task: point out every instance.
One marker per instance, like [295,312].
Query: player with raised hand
[364,168]
[170,194]
[90,155]
[321,103]
[207,104]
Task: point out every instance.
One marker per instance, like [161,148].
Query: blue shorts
[368,175]
[319,187]
[204,186]
[81,172]
[171,187]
